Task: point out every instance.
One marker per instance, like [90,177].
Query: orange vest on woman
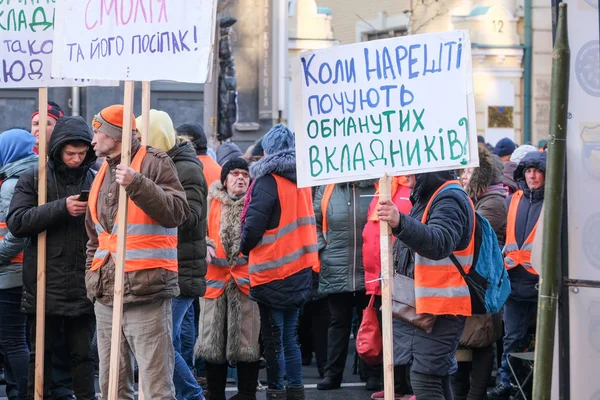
[212,170]
[148,245]
[3,231]
[513,255]
[292,246]
[219,270]
[439,288]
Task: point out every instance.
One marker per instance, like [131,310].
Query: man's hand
[210,254]
[387,211]
[76,207]
[124,175]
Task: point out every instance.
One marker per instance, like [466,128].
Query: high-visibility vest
[212,170]
[439,287]
[148,246]
[219,270]
[513,255]
[3,231]
[292,246]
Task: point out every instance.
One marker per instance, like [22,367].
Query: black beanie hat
[196,133]
[54,111]
[234,163]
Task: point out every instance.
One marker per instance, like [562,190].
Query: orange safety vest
[212,170]
[219,270]
[439,288]
[3,231]
[148,244]
[513,255]
[292,246]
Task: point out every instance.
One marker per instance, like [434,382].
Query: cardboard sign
[141,40]
[27,29]
[397,106]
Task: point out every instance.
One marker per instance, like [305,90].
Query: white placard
[401,106]
[26,45]
[140,40]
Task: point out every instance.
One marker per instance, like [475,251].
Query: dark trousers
[13,342]
[78,333]
[312,331]
[341,308]
[470,381]
[431,387]
[519,317]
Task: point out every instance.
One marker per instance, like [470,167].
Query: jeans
[78,333]
[431,387]
[186,386]
[147,335]
[279,330]
[470,381]
[13,339]
[518,315]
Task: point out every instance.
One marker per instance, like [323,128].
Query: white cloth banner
[26,45]
[583,163]
[401,106]
[140,40]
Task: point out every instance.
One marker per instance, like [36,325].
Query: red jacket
[371,249]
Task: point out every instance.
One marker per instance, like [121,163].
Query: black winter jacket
[66,236]
[263,213]
[522,283]
[191,247]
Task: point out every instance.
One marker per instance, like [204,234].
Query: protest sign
[141,40]
[396,106]
[26,46]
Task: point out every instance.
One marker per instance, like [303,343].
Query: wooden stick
[113,377]
[40,311]
[145,139]
[145,128]
[387,281]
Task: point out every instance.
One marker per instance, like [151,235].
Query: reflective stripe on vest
[439,287]
[3,231]
[513,255]
[148,245]
[220,271]
[292,246]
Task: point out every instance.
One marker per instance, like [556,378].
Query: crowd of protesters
[229,264]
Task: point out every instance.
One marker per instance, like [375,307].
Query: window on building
[385,34]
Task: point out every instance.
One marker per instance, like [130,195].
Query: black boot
[275,394]
[247,380]
[216,380]
[295,393]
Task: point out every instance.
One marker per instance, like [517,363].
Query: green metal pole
[528,57]
[553,209]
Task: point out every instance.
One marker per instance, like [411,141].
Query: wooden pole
[113,377]
[387,282]
[145,138]
[40,312]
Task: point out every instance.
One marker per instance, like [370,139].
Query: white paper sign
[26,44]
[402,105]
[141,40]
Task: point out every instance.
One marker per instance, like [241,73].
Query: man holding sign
[157,206]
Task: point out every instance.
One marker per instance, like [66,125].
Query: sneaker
[381,396]
[373,384]
[500,392]
[328,383]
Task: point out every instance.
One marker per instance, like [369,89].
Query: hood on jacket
[161,133]
[183,151]
[226,151]
[15,169]
[282,163]
[70,129]
[15,144]
[428,183]
[488,173]
[536,159]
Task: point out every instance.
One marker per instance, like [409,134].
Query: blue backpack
[488,280]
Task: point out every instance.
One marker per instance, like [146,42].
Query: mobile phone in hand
[84,195]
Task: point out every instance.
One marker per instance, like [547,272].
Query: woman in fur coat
[229,320]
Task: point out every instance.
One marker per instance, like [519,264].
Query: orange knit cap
[110,121]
